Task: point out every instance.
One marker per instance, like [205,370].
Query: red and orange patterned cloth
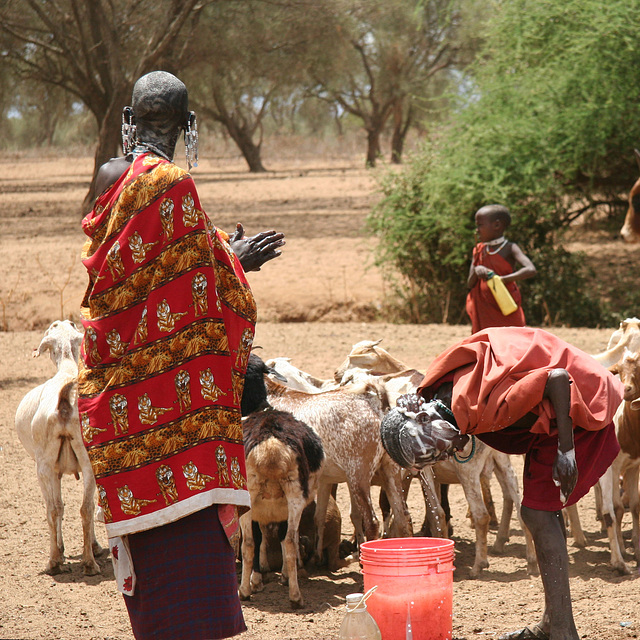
[169,322]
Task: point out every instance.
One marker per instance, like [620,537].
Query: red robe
[169,321]
[482,307]
[499,376]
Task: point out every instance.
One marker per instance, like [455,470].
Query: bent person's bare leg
[549,536]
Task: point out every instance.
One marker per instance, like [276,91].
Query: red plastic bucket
[415,581]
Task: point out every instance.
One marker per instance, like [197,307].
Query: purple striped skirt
[186,584]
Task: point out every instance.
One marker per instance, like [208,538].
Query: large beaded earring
[129,138]
[191,140]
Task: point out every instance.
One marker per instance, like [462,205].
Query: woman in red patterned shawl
[169,321]
[521,391]
[495,254]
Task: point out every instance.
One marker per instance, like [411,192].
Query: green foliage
[562,295]
[544,126]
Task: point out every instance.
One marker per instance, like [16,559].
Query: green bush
[546,131]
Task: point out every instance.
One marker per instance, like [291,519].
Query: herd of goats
[303,436]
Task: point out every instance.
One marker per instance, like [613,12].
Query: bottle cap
[354,600]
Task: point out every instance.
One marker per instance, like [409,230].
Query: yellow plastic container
[501,294]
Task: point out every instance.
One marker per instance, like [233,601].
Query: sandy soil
[323,275]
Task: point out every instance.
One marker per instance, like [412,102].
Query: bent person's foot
[528,633]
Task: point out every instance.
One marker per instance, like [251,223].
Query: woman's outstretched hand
[254,251]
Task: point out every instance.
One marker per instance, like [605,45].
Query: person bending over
[521,391]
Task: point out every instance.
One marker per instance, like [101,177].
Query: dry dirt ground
[322,275]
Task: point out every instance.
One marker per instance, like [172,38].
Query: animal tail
[67,399]
[67,461]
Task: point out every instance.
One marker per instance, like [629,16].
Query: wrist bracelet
[571,454]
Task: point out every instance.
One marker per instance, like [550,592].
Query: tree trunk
[373,146]
[397,144]
[109,145]
[250,151]
[400,130]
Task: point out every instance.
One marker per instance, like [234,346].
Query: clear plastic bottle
[358,623]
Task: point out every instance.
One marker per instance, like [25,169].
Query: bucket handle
[444,567]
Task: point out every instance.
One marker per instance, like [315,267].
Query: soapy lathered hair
[160,103]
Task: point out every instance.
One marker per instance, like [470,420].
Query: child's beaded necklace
[501,241]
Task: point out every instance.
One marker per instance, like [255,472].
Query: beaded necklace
[144,147]
[502,241]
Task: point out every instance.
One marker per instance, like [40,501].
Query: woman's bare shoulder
[109,172]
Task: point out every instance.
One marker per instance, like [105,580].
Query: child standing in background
[494,253]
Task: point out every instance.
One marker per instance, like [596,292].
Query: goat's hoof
[580,542]
[622,568]
[533,569]
[498,547]
[98,550]
[91,568]
[256,584]
[244,596]
[56,569]
[297,604]
[476,570]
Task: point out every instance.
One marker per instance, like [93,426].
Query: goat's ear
[615,369]
[45,345]
[76,343]
[635,404]
[276,374]
[371,346]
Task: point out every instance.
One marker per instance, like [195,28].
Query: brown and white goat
[348,422]
[627,463]
[49,429]
[284,463]
[284,459]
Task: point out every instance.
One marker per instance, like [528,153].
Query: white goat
[625,338]
[49,429]
[298,379]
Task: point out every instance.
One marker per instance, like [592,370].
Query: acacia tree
[248,54]
[95,50]
[390,49]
